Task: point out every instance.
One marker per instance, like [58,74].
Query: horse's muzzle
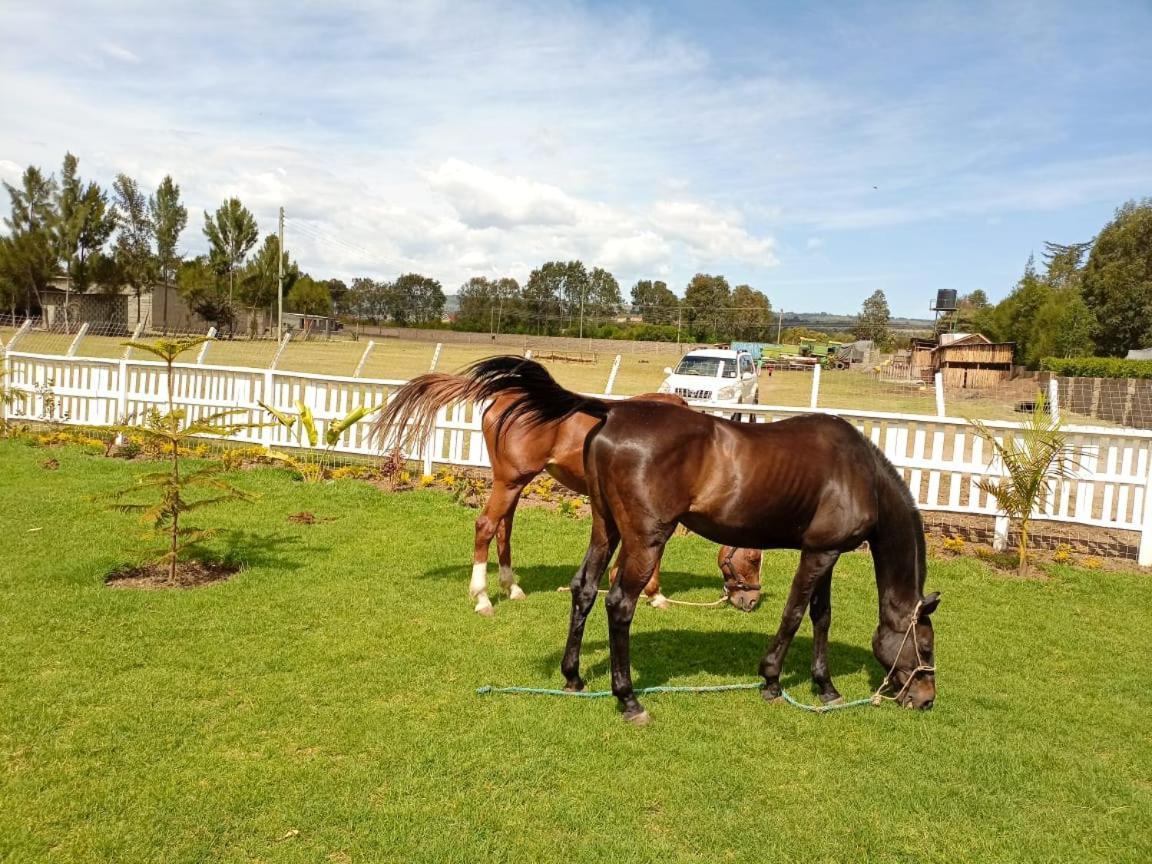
[745,601]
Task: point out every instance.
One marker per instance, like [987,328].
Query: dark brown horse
[812,483]
[522,451]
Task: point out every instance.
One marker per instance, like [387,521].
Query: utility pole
[280,281]
[779,324]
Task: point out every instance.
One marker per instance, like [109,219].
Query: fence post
[940,395]
[122,399]
[135,335]
[1054,399]
[435,356]
[612,375]
[204,347]
[364,358]
[1144,554]
[815,385]
[280,350]
[80,334]
[19,334]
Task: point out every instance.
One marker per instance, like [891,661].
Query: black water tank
[946,300]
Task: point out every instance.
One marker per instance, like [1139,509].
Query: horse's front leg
[821,614]
[636,568]
[584,586]
[813,566]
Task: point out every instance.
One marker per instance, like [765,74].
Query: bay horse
[811,483]
[518,455]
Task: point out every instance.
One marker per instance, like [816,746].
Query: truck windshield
[707,367]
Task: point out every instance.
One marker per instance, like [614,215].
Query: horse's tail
[412,410]
[539,399]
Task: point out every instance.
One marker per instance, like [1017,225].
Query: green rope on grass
[717,688]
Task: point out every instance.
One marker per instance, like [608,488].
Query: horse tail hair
[411,413]
[539,399]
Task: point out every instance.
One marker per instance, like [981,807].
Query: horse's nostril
[927,704]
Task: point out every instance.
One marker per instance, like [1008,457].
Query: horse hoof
[771,697]
[484,607]
[516,592]
[642,718]
[659,601]
[835,700]
[576,686]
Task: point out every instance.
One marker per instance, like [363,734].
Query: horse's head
[907,650]
[741,569]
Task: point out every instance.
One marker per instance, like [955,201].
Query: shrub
[1097,367]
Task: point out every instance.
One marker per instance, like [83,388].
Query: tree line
[1090,298]
[73,234]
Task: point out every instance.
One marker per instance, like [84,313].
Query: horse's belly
[762,534]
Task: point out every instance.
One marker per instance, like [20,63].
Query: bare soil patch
[189,574]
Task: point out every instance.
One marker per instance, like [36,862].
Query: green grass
[320,705]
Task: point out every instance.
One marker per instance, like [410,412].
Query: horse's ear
[928,604]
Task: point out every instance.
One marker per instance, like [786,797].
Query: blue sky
[816,151]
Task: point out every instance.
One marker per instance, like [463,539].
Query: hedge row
[1097,367]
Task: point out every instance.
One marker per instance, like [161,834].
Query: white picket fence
[940,457]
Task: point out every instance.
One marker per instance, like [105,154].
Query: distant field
[638,373]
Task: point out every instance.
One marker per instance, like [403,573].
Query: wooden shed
[973,360]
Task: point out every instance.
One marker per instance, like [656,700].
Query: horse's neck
[899,558]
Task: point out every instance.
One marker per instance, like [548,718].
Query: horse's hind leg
[504,550]
[498,510]
[821,614]
[814,566]
[636,568]
[584,586]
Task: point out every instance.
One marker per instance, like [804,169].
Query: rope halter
[921,666]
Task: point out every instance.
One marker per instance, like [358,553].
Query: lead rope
[876,698]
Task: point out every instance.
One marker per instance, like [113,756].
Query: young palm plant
[171,431]
[306,430]
[1034,458]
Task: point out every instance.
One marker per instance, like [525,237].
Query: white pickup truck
[719,375]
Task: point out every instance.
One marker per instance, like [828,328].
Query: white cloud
[713,234]
[118,52]
[484,199]
[814,243]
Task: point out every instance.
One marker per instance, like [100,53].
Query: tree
[1033,458]
[231,235]
[28,255]
[1117,280]
[873,321]
[706,302]
[601,298]
[338,290]
[206,292]
[414,299]
[259,281]
[365,299]
[480,300]
[174,433]
[654,302]
[752,316]
[310,297]
[544,292]
[169,218]
[133,250]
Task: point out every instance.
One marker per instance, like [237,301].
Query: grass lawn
[320,706]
